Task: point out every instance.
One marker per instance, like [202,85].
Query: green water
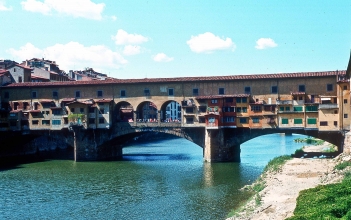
[158,180]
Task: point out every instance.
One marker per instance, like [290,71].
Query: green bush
[343,165]
[324,202]
[276,163]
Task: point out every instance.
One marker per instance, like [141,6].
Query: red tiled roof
[182,79]
[68,99]
[37,77]
[2,71]
[103,100]
[221,96]
[45,100]
[24,67]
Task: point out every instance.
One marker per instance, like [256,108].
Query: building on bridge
[312,100]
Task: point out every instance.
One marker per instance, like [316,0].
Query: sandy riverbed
[282,188]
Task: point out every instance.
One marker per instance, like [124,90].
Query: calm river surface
[157,180]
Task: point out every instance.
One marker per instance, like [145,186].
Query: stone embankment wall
[347,143]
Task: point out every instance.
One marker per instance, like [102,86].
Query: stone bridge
[218,145]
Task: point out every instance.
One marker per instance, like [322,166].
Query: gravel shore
[278,198]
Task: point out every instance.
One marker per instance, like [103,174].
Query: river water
[158,180]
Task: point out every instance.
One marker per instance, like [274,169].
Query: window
[189,120]
[244,109]
[229,100]
[102,111]
[195,92]
[238,109]
[298,121]
[146,92]
[244,100]
[123,93]
[91,120]
[91,110]
[34,94]
[285,121]
[7,95]
[170,92]
[255,120]
[287,108]
[238,100]
[72,110]
[302,88]
[247,90]
[56,111]
[298,108]
[81,110]
[345,115]
[323,123]
[99,93]
[221,91]
[77,94]
[335,123]
[45,122]
[20,79]
[101,120]
[256,108]
[35,122]
[56,122]
[311,108]
[189,110]
[201,119]
[329,87]
[202,108]
[55,94]
[229,119]
[228,109]
[311,121]
[214,101]
[46,104]
[274,89]
[243,120]
[345,101]
[345,87]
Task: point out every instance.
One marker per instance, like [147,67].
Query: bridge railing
[155,124]
[328,106]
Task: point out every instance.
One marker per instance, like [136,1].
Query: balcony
[329,106]
[284,102]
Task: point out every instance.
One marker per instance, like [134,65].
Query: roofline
[348,71]
[180,79]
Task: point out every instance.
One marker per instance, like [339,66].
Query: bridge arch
[246,134]
[123,112]
[146,111]
[170,111]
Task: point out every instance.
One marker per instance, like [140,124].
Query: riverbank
[278,199]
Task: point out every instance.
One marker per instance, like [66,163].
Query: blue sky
[150,39]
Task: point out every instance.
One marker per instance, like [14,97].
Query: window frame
[34,96]
[330,87]
[195,91]
[275,88]
[247,90]
[302,88]
[98,95]
[122,93]
[221,91]
[170,92]
[77,94]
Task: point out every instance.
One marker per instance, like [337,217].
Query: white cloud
[113,18]
[3,7]
[123,38]
[76,8]
[131,50]
[264,43]
[73,55]
[161,57]
[208,42]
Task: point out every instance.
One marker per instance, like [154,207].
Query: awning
[45,101]
[325,99]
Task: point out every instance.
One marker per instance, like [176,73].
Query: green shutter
[297,121]
[298,109]
[311,121]
[285,121]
